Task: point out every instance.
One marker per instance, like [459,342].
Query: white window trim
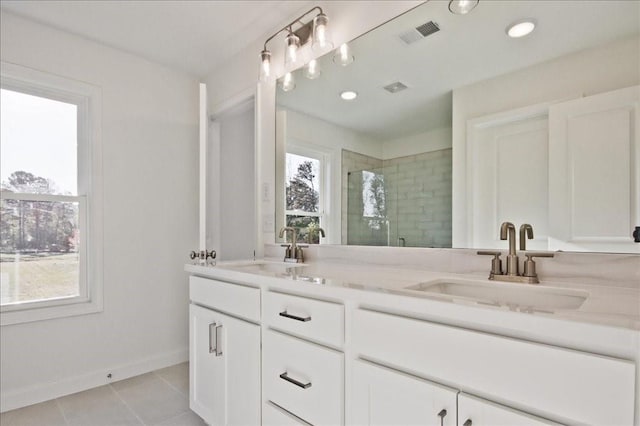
[88,98]
[323,157]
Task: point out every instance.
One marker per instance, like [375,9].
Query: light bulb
[312,70]
[462,7]
[291,54]
[321,36]
[343,56]
[288,82]
[265,65]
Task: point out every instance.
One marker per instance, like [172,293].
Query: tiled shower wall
[418,200]
[352,215]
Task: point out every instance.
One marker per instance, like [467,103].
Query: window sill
[19,316]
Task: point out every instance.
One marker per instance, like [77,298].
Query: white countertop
[607,305]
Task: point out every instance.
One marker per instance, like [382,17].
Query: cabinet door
[473,411]
[224,368]
[594,172]
[382,396]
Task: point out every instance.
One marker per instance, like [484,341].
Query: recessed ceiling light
[348,95]
[521,28]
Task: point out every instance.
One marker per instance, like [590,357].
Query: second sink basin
[522,296]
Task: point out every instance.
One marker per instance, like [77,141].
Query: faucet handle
[530,265]
[496,263]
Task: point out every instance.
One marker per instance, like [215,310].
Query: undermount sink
[514,296]
[263,267]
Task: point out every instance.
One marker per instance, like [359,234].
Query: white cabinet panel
[575,385]
[382,396]
[473,411]
[224,367]
[303,378]
[206,371]
[272,415]
[508,161]
[239,300]
[313,319]
[594,171]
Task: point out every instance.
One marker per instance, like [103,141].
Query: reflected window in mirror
[304,194]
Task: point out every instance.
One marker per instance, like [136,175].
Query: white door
[508,157]
[594,172]
[382,396]
[473,411]
[224,368]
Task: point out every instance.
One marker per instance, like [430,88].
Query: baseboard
[47,391]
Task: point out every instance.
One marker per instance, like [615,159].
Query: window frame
[87,98]
[322,179]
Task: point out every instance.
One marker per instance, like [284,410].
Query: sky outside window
[39,136]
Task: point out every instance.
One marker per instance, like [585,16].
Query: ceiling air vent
[396,87]
[419,32]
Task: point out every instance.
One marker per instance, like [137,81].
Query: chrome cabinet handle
[218,351]
[467,423]
[284,376]
[442,415]
[286,315]
[212,338]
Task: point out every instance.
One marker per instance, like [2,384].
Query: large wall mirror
[457,127]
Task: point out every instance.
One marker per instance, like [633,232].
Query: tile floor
[157,398]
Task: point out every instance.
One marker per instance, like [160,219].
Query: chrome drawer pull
[467,423]
[286,315]
[212,338]
[218,351]
[284,376]
[442,415]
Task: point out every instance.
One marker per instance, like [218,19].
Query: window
[304,195]
[50,197]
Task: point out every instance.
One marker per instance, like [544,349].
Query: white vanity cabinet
[473,411]
[299,375]
[382,396]
[545,380]
[224,353]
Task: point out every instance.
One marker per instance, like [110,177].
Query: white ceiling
[192,36]
[467,49]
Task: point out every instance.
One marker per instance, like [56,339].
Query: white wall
[149,135]
[432,140]
[237,180]
[585,73]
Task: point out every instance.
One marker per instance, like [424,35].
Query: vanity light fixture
[348,95]
[462,7]
[288,82]
[343,56]
[312,69]
[316,31]
[291,53]
[521,28]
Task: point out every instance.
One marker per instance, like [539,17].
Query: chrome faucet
[508,231]
[512,257]
[293,251]
[312,231]
[526,231]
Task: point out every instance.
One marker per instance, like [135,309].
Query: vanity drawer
[579,386]
[314,319]
[272,415]
[303,378]
[239,300]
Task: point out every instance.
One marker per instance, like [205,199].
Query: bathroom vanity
[428,341]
